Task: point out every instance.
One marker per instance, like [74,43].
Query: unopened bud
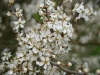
[53,56]
[11,1]
[8,13]
[69,64]
[98,71]
[58,62]
[25,70]
[80,71]
[85,70]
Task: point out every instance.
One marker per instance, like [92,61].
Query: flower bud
[11,1]
[86,70]
[58,62]
[69,64]
[98,71]
[80,71]
[53,56]
[8,13]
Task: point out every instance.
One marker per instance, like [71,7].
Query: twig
[13,47]
[86,44]
[60,2]
[46,10]
[96,2]
[66,70]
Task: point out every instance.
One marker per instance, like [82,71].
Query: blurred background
[85,43]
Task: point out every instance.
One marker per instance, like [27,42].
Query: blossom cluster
[83,12]
[42,42]
[19,23]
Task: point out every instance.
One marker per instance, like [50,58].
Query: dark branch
[66,70]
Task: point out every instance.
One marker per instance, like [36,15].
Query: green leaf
[38,17]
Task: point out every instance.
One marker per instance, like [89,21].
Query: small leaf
[38,17]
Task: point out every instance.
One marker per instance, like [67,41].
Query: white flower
[39,63]
[8,13]
[19,24]
[10,72]
[44,61]
[83,12]
[50,25]
[86,11]
[6,56]
[19,55]
[11,1]
[18,12]
[41,12]
[35,50]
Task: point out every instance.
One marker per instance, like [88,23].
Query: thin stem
[46,10]
[60,2]
[96,2]
[66,70]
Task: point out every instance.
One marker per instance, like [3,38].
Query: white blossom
[82,11]
[8,13]
[18,12]
[58,62]
[10,72]
[19,24]
[6,56]
[11,1]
